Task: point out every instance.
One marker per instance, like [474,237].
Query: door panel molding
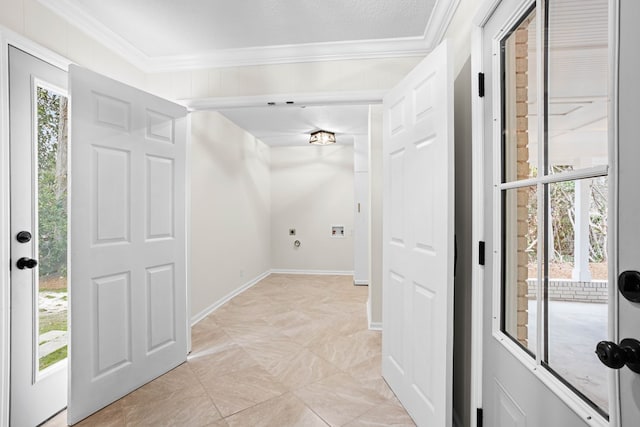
[418,239]
[128,237]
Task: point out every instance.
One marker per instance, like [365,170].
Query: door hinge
[481,253]
[479,417]
[481,85]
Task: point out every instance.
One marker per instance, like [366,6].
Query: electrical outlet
[292,232]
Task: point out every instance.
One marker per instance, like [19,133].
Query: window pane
[52,227]
[520,265]
[519,102]
[577,285]
[577,84]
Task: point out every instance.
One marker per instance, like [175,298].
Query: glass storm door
[38,143]
[547,144]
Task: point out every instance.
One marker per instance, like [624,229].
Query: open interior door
[418,233]
[127,228]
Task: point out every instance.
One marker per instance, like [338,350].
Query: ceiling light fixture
[322,137]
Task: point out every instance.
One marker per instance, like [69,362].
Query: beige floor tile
[369,374]
[308,334]
[291,351]
[301,369]
[111,416]
[185,410]
[256,331]
[232,315]
[348,351]
[333,306]
[370,368]
[221,362]
[208,334]
[387,415]
[175,383]
[241,390]
[268,352]
[380,386]
[59,420]
[283,411]
[289,319]
[339,399]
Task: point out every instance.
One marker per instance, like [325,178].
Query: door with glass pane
[547,276]
[628,200]
[39,338]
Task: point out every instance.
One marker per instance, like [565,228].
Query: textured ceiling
[287,126]
[166,35]
[186,27]
[163,35]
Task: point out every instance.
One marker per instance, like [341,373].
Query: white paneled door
[127,226]
[38,106]
[418,257]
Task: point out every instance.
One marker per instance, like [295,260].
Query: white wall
[361,210]
[328,76]
[34,21]
[311,190]
[230,209]
[459,32]
[375,218]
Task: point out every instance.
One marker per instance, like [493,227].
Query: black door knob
[23,237]
[616,356]
[25,262]
[629,285]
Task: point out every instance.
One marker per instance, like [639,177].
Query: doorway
[38,104]
[115,349]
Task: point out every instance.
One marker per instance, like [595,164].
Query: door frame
[483,13]
[7,38]
[11,38]
[368,97]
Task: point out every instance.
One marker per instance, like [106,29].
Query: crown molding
[286,54]
[98,31]
[361,49]
[439,21]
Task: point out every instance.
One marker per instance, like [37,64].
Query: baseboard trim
[361,282]
[373,326]
[312,272]
[213,307]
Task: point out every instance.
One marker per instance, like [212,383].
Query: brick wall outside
[596,291]
[522,156]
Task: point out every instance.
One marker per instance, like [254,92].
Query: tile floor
[291,351]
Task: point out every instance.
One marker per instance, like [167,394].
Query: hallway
[293,350]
